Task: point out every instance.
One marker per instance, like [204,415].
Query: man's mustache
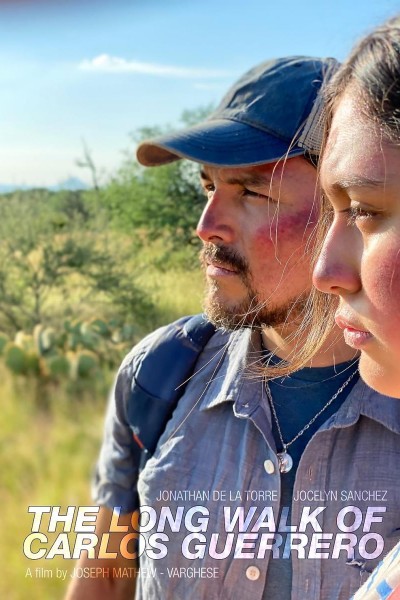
[224,256]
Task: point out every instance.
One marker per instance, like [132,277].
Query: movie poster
[97,252]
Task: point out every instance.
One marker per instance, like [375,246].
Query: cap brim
[220,143]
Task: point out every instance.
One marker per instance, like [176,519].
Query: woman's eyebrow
[356,181]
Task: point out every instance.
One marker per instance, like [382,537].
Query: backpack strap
[160,379]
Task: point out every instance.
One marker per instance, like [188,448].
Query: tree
[53,266]
[161,202]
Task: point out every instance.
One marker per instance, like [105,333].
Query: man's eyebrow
[357,181]
[253,179]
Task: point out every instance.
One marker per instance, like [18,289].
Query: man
[255,490]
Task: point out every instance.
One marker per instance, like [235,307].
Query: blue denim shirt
[218,454]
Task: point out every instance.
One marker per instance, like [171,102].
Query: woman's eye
[356,213]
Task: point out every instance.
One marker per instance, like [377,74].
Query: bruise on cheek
[289,226]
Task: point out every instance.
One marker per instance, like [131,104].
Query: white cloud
[113,64]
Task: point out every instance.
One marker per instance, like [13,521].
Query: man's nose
[337,270]
[216,223]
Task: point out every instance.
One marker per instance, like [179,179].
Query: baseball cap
[273,110]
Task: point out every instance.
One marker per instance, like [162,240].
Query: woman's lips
[354,336]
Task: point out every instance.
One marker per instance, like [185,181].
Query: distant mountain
[6,189]
[71,183]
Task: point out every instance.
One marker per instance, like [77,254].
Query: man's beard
[251,311]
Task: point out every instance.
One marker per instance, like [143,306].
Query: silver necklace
[284,458]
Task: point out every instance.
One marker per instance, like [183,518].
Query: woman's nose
[337,270]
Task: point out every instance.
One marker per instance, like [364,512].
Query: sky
[91,72]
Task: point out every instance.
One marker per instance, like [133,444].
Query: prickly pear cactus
[3,342]
[76,350]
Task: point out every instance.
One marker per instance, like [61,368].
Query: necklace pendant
[285,462]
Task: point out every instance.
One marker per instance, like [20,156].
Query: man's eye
[208,188]
[253,194]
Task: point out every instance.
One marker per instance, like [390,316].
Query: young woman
[359,263]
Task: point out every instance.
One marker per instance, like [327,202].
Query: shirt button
[252,573]
[269,466]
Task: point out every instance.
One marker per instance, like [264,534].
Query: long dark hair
[372,71]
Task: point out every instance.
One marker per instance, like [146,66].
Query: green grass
[47,454]
[177,292]
[46,459]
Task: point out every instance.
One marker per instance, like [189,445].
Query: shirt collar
[232,371]
[229,375]
[365,401]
